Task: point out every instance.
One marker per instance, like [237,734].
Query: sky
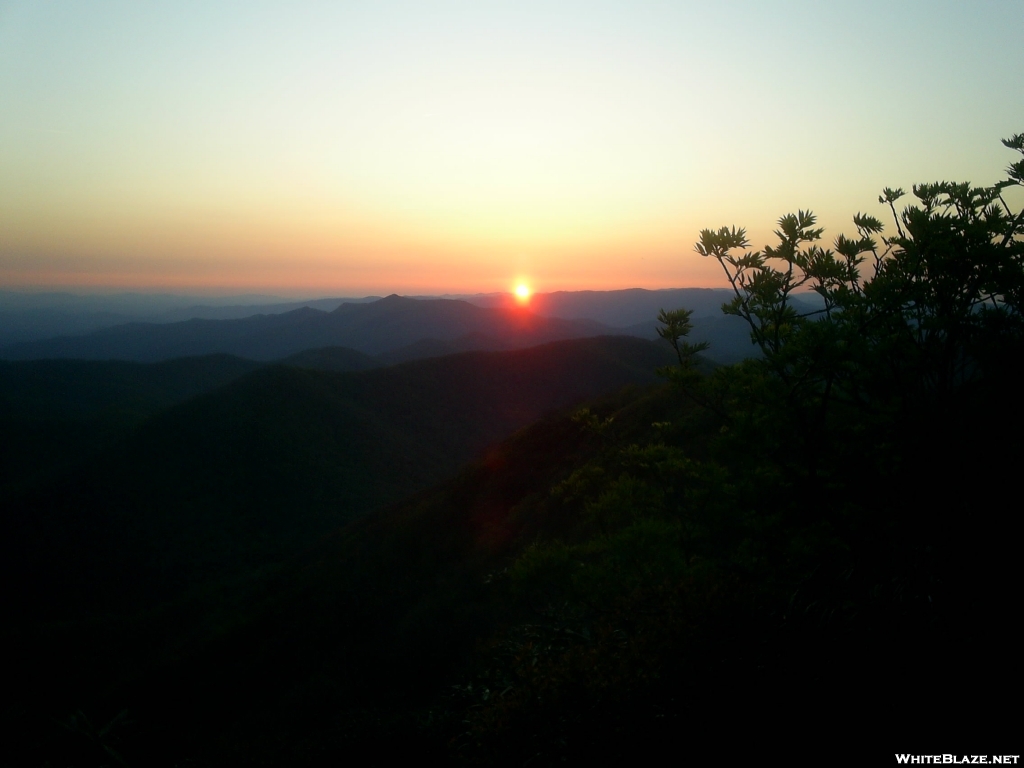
[427,147]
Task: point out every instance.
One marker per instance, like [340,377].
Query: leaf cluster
[905,319]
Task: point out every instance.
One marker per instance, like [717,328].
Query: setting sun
[522,293]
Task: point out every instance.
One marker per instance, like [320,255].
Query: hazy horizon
[321,150]
[222,293]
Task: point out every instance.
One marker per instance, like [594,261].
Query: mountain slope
[57,413]
[241,477]
[337,359]
[39,389]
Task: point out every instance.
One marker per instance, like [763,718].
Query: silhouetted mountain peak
[388,304]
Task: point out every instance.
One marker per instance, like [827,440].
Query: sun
[522,292]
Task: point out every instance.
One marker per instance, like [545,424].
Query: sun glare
[522,293]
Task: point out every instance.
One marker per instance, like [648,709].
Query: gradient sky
[327,148]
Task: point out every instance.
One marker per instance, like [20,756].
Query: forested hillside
[252,472]
[57,413]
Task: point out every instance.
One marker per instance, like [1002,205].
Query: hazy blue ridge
[398,329]
[371,328]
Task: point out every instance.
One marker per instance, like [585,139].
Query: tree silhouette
[906,322]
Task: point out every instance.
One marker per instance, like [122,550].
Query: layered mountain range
[395,328]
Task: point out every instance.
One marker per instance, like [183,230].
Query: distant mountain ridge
[371,328]
[32,316]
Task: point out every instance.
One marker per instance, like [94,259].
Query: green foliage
[591,422]
[676,325]
[952,272]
